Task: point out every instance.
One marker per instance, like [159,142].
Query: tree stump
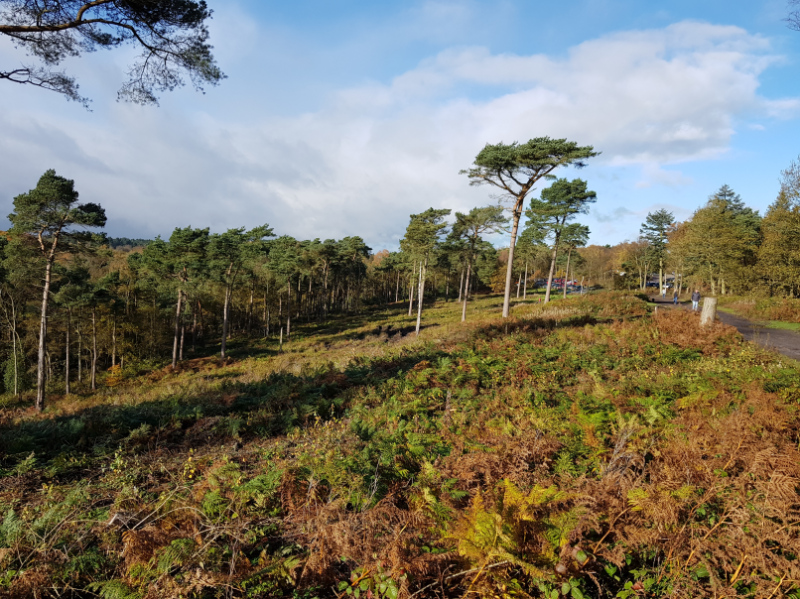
[709,313]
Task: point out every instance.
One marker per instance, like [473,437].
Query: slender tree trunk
[66,352]
[466,293]
[250,307]
[421,295]
[225,309]
[510,267]
[114,342]
[264,314]
[397,289]
[40,382]
[411,289]
[178,306]
[194,331]
[94,350]
[289,311]
[80,355]
[519,284]
[525,288]
[461,285]
[566,272]
[553,257]
[183,334]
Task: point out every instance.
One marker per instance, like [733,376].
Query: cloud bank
[371,155]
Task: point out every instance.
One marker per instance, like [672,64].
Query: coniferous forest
[494,407]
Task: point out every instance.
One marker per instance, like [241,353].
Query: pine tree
[655,231]
[515,169]
[559,204]
[48,215]
[422,235]
[470,227]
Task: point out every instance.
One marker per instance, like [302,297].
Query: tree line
[75,302]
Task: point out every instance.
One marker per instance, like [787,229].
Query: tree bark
[40,366]
[250,307]
[461,286]
[289,311]
[510,268]
[66,352]
[466,293]
[566,272]
[421,295]
[94,350]
[411,290]
[553,257]
[177,328]
[225,309]
[525,287]
[80,354]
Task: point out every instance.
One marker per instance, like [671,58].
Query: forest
[246,414]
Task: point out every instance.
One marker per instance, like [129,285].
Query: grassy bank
[586,448]
[776,313]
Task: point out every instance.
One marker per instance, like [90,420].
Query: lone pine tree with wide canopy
[515,168]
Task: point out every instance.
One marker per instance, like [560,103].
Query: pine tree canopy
[170,35]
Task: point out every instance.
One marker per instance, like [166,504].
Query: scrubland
[586,448]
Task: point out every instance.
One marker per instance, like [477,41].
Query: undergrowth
[583,449]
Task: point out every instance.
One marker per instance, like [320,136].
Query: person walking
[675,297]
[696,300]
[663,293]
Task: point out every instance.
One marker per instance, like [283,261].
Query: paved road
[779,340]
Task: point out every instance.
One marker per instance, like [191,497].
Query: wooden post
[709,313]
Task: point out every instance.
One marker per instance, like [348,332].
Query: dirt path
[778,340]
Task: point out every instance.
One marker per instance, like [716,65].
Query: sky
[341,119]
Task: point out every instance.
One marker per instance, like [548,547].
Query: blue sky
[343,118]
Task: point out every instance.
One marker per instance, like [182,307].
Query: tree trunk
[250,307]
[510,268]
[40,383]
[177,329]
[66,353]
[566,272]
[114,342]
[80,354]
[420,296]
[411,289]
[225,309]
[194,331]
[461,286]
[183,334]
[289,311]
[525,287]
[466,293]
[553,257]
[94,350]
[519,284]
[397,289]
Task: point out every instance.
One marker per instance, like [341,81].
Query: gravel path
[779,340]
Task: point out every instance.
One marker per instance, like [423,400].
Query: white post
[709,312]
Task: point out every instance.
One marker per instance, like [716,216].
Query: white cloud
[376,153]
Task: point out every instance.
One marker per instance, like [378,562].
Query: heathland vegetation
[243,414]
